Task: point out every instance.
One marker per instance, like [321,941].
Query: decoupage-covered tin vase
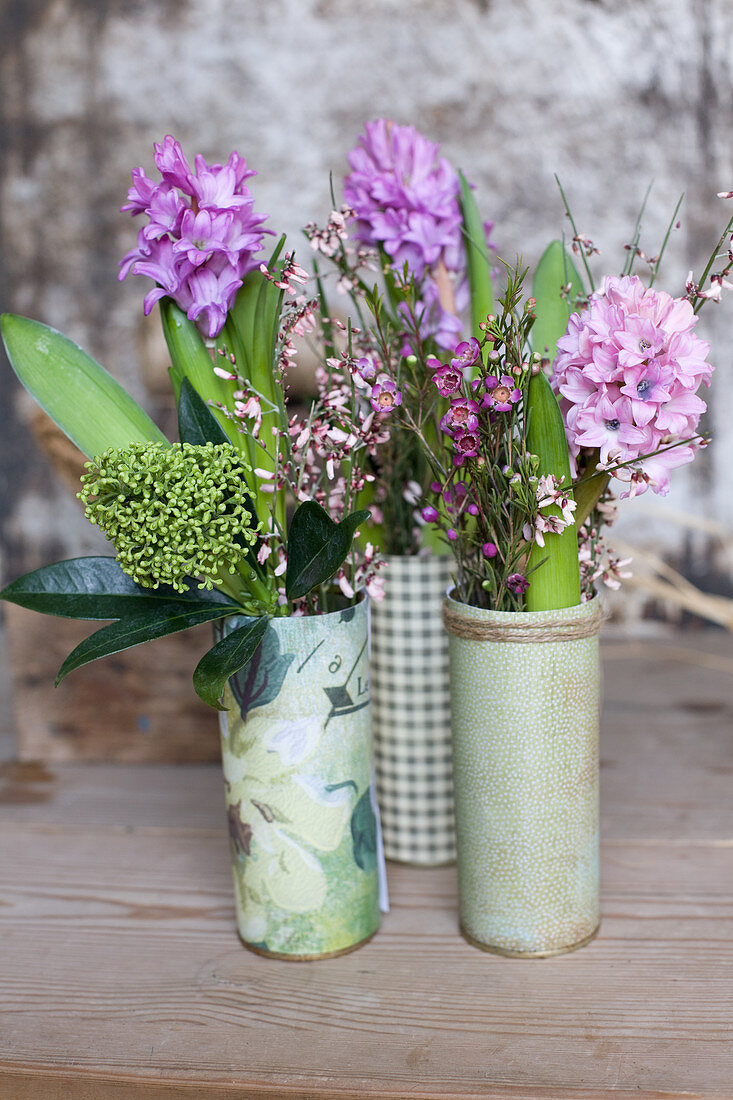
[297,755]
[525,690]
[411,709]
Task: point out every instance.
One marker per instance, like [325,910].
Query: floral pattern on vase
[297,758]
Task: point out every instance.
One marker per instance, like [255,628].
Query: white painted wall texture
[609,94]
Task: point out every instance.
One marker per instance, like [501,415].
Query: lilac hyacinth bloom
[201,236]
[626,372]
[405,199]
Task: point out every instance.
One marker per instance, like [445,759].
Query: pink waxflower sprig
[397,248]
[487,499]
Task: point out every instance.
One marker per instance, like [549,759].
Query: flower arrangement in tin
[551,408]
[201,526]
[512,413]
[400,247]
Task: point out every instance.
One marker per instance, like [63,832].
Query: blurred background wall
[609,94]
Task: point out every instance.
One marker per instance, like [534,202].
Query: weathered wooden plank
[138,705]
[666,764]
[120,957]
[122,976]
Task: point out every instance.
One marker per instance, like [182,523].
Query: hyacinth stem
[478,265]
[251,333]
[553,569]
[254,587]
[190,359]
[589,490]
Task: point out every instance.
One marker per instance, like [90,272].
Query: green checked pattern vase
[411,710]
[525,705]
[297,756]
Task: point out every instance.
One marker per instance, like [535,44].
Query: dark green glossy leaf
[95,588]
[262,680]
[86,402]
[142,626]
[196,422]
[226,657]
[317,547]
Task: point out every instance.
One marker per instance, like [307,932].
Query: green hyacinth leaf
[96,588]
[79,395]
[317,546]
[225,658]
[169,617]
[478,264]
[554,571]
[555,287]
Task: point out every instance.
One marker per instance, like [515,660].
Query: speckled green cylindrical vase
[298,765]
[525,691]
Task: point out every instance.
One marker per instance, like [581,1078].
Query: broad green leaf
[555,573]
[555,302]
[226,657]
[96,588]
[196,422]
[478,264]
[78,394]
[317,547]
[143,626]
[190,359]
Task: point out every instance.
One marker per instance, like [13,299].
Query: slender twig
[568,211]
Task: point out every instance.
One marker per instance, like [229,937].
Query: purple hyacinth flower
[202,233]
[171,163]
[517,583]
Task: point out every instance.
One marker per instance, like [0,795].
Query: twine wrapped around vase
[525,700]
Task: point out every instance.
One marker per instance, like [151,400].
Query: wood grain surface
[136,706]
[122,977]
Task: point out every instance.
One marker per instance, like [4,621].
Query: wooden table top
[122,978]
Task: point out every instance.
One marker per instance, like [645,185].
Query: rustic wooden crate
[138,706]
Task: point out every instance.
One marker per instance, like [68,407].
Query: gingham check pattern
[411,711]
